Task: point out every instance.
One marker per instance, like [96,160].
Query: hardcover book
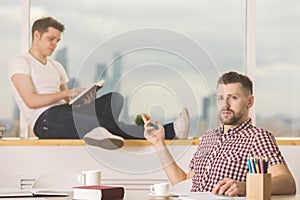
[98,192]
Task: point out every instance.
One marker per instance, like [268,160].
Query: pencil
[249,166]
[253,165]
[256,165]
[261,166]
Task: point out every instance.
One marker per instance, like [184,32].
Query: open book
[88,95]
[8,192]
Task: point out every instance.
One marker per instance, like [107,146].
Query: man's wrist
[164,154]
[66,94]
[160,145]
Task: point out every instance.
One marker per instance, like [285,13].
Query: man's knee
[114,97]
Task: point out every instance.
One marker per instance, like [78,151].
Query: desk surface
[144,195]
[133,195]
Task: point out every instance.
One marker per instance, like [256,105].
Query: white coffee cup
[159,188]
[91,177]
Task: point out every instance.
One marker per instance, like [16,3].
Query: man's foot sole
[110,144]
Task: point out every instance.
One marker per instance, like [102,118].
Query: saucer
[161,196]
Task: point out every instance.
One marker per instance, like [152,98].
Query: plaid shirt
[224,155]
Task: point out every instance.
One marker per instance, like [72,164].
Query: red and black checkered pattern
[224,155]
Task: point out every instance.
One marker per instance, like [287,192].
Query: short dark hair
[41,25]
[234,77]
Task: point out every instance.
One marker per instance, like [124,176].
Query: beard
[230,120]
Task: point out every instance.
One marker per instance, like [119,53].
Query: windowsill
[73,142]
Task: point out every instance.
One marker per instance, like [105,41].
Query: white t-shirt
[46,79]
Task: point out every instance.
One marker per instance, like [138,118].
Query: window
[10,18]
[277,73]
[103,39]
[217,32]
[216,29]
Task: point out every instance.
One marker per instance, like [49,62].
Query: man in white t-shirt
[41,93]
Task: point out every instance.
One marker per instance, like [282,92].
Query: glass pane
[172,49]
[278,48]
[10,20]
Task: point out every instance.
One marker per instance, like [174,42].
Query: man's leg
[108,108]
[59,122]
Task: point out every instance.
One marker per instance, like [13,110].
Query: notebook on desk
[31,198]
[12,192]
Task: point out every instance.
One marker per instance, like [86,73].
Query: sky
[210,34]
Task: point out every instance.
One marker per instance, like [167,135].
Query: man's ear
[250,101]
[36,35]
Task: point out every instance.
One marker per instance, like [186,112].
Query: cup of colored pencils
[258,184]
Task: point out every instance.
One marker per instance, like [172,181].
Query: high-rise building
[62,57]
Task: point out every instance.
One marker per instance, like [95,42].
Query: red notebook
[98,192]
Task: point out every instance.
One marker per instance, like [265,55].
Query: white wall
[139,164]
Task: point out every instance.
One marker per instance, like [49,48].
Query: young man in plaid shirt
[220,163]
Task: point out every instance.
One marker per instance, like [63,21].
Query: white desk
[144,195]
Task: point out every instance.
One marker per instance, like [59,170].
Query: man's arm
[174,173]
[64,87]
[157,137]
[282,180]
[25,88]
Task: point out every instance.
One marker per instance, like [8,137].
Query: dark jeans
[67,122]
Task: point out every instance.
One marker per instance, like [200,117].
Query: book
[88,95]
[98,192]
[12,192]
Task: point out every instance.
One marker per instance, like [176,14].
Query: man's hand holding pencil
[154,132]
